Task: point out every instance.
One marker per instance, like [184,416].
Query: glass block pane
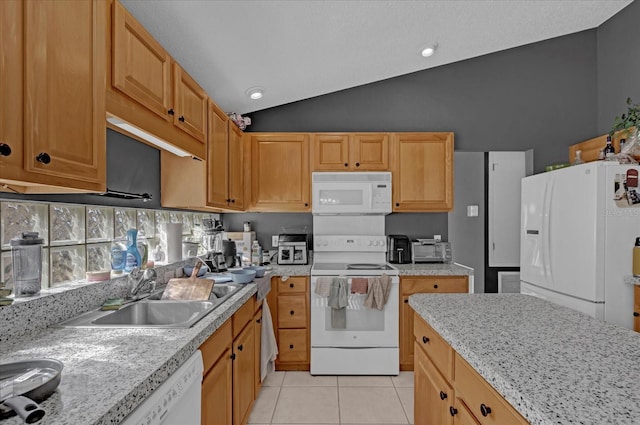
[162,217]
[98,257]
[6,272]
[99,224]
[67,224]
[67,264]
[146,223]
[187,224]
[18,217]
[125,219]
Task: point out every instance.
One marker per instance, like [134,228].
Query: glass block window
[18,217]
[125,219]
[67,224]
[99,224]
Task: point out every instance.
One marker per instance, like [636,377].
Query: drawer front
[292,345]
[292,311]
[242,317]
[435,284]
[485,404]
[462,415]
[217,343]
[292,284]
[438,350]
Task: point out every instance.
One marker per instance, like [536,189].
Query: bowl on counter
[260,270]
[242,276]
[188,270]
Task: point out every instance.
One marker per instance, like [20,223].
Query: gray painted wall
[618,65]
[467,234]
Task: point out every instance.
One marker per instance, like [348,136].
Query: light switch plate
[472,210]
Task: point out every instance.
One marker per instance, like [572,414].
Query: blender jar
[26,260]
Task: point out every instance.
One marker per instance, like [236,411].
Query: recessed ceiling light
[255,93]
[429,50]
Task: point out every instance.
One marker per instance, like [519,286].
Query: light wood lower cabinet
[257,337]
[217,385]
[289,304]
[448,390]
[636,308]
[243,375]
[418,285]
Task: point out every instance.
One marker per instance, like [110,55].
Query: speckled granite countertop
[433,269]
[107,372]
[554,365]
[292,270]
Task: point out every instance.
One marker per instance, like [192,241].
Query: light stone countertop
[423,269]
[108,372]
[552,364]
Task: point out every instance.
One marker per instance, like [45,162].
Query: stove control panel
[354,243]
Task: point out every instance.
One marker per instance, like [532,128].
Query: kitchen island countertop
[108,372]
[552,364]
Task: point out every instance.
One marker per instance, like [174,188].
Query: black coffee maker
[398,249]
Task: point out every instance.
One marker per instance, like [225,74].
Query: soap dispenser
[133,258]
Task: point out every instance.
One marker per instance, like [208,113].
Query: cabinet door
[330,152]
[64,120]
[369,152]
[243,375]
[236,167]
[433,396]
[141,67]
[257,341]
[217,157]
[406,334]
[422,166]
[217,391]
[11,105]
[189,104]
[280,178]
[636,308]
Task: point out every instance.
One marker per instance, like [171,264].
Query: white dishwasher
[178,401]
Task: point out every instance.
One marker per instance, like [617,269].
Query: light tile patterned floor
[297,398]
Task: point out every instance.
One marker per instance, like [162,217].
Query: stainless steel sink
[152,312]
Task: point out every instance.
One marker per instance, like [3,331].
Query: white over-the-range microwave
[336,193]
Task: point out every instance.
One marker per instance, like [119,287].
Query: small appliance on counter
[431,251]
[398,249]
[292,248]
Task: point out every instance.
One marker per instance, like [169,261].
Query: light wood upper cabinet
[141,67]
[422,167]
[350,152]
[148,90]
[280,177]
[225,161]
[55,132]
[190,104]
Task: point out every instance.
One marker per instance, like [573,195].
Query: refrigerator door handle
[546,231]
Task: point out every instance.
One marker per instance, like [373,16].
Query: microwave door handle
[370,190]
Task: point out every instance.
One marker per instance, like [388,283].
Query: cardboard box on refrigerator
[243,241]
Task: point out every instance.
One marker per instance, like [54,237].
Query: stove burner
[365,266]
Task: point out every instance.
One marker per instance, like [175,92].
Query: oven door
[365,327]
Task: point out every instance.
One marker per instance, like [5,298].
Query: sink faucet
[139,279]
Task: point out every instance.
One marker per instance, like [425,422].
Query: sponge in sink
[112,304]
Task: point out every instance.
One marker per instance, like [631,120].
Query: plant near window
[627,121]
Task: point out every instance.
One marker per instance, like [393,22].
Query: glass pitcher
[26,260]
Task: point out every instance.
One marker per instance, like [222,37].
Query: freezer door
[533,195]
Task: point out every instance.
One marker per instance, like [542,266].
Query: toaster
[398,249]
[430,251]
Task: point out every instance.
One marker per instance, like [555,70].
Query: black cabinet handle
[485,410]
[228,200]
[291,285]
[443,395]
[5,150]
[240,347]
[453,411]
[258,321]
[397,204]
[233,201]
[636,314]
[292,312]
[306,204]
[291,346]
[425,339]
[181,118]
[346,164]
[43,157]
[233,356]
[357,164]
[435,286]
[170,112]
[406,301]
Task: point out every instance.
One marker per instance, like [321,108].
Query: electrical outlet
[274,240]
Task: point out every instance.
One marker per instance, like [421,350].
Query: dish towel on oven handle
[338,301]
[323,286]
[378,293]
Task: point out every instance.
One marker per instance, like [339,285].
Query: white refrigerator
[577,232]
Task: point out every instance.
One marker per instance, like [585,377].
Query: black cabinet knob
[170,112]
[228,200]
[425,339]
[453,411]
[357,164]
[292,312]
[485,410]
[291,346]
[233,356]
[406,301]
[43,157]
[397,204]
[240,347]
[346,164]
[257,320]
[5,150]
[435,286]
[181,118]
[233,201]
[306,204]
[636,314]
[443,395]
[291,285]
